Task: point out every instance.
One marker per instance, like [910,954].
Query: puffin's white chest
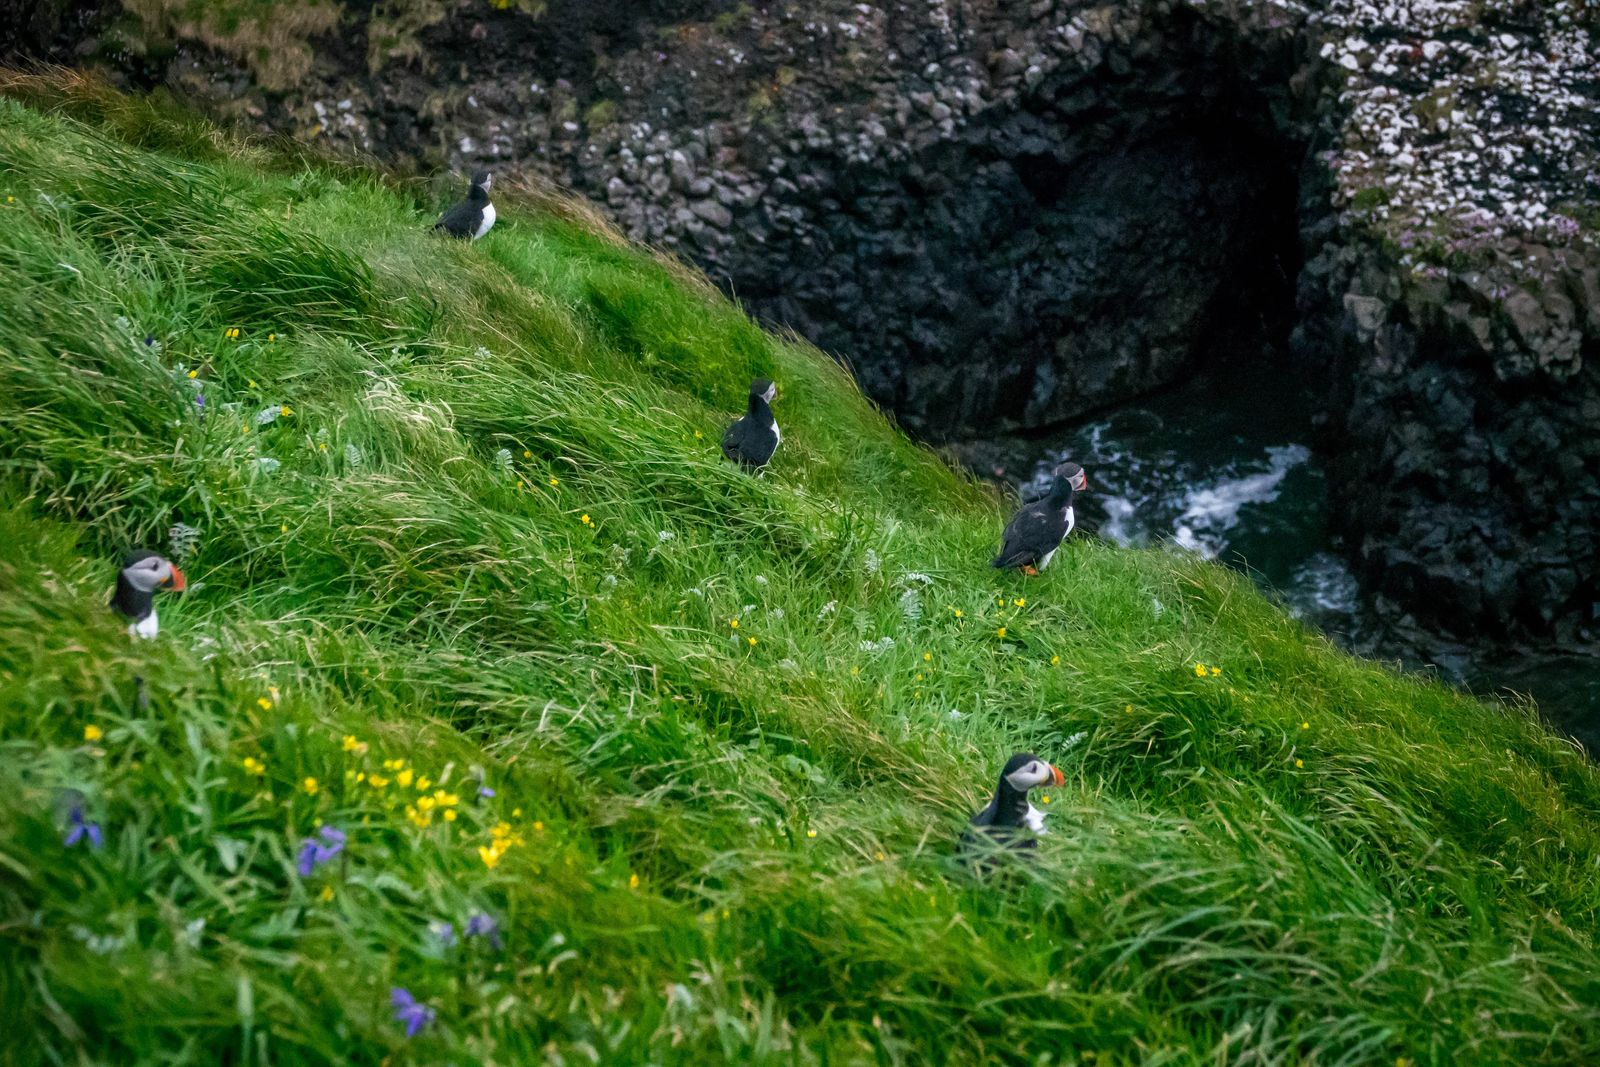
[1069,518]
[777,438]
[146,627]
[488,221]
[1035,820]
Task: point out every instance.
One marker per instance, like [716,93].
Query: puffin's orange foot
[1030,570]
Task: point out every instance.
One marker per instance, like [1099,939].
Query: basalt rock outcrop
[1005,214]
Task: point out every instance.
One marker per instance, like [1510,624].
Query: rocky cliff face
[1005,214]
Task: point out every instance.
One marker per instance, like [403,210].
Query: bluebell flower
[444,932]
[407,1010]
[485,792]
[315,851]
[482,924]
[79,829]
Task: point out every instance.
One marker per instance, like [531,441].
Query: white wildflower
[871,562]
[268,464]
[827,609]
[665,535]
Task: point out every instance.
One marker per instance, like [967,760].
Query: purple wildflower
[444,932]
[485,792]
[78,829]
[407,1010]
[482,924]
[314,852]
[200,401]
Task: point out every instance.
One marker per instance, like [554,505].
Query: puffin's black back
[464,218]
[126,600]
[1037,528]
[1000,821]
[750,440]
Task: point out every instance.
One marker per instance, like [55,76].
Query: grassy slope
[721,849]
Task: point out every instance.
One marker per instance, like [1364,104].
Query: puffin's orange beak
[177,581]
[1060,778]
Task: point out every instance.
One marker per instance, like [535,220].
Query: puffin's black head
[482,179]
[148,571]
[1024,771]
[763,388]
[1074,476]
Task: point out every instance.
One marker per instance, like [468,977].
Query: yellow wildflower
[272,337]
[927,657]
[1044,799]
[1020,601]
[419,818]
[285,410]
[879,856]
[958,612]
[378,781]
[733,624]
[1128,709]
[353,745]
[1000,632]
[811,833]
[310,786]
[1305,726]
[489,856]
[752,641]
[254,766]
[919,677]
[1299,763]
[92,733]
[1199,670]
[1055,661]
[326,894]
[446,800]
[584,518]
[555,481]
[698,435]
[633,881]
[422,783]
[449,815]
[1215,671]
[538,827]
[404,778]
[194,374]
[425,803]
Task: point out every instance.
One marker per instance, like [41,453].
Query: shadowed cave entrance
[1099,241]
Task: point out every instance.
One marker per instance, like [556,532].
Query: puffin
[753,437]
[1037,530]
[1008,811]
[473,216]
[135,599]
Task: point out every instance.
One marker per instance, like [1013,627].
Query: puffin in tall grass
[135,599]
[753,437]
[473,217]
[1009,811]
[1037,530]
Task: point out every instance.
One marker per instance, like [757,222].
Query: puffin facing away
[1037,530]
[753,437]
[1009,811]
[135,599]
[473,216]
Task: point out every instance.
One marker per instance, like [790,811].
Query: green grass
[720,850]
